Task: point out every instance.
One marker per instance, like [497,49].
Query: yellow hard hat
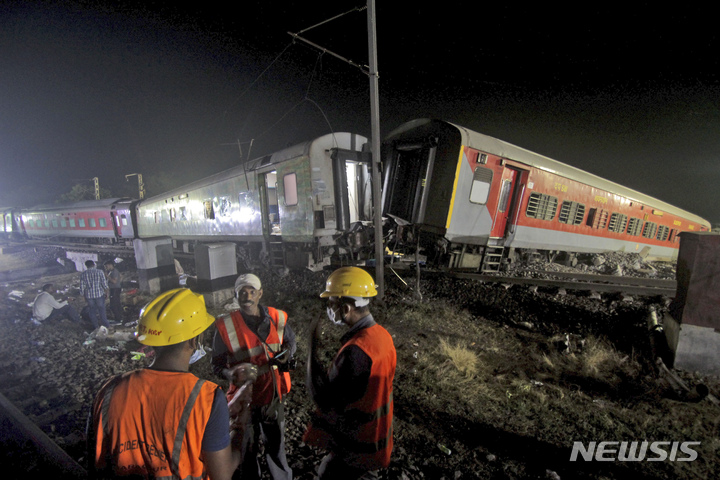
[173,317]
[349,282]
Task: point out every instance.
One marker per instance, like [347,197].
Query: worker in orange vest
[163,421]
[354,418]
[261,336]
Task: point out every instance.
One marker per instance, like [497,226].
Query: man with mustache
[261,336]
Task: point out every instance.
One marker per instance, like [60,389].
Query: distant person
[94,287]
[354,398]
[46,307]
[114,280]
[162,421]
[259,335]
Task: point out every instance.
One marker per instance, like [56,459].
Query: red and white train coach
[102,221]
[477,198]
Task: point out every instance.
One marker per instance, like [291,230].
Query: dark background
[106,89]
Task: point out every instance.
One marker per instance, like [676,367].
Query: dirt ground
[493,381]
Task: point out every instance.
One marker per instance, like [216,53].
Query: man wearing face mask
[354,398]
[163,421]
[261,336]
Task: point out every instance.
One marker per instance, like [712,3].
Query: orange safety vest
[363,433]
[151,423]
[247,347]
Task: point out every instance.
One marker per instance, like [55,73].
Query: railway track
[585,282]
[569,281]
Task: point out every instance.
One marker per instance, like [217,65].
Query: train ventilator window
[597,218]
[480,189]
[649,230]
[618,222]
[571,213]
[634,226]
[290,188]
[663,233]
[541,206]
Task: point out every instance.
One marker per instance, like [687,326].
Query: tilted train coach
[296,207]
[478,201]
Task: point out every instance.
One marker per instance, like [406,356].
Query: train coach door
[508,201]
[269,202]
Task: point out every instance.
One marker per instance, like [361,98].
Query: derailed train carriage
[472,201]
[298,207]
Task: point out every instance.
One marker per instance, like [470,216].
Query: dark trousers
[67,311]
[96,308]
[272,432]
[115,305]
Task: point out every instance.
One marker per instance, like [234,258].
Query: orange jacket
[248,347]
[151,423]
[363,434]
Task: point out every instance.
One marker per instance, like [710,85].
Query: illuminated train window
[618,222]
[209,210]
[103,222]
[571,213]
[63,223]
[482,179]
[81,222]
[634,226]
[649,230]
[541,206]
[72,223]
[663,233]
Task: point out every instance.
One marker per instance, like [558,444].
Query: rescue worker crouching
[354,418]
[163,421]
[261,336]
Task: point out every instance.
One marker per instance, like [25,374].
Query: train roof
[82,205]
[509,151]
[346,140]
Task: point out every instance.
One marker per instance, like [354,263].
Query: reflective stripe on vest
[246,346]
[363,433]
[132,436]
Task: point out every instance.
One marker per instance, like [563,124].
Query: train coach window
[541,206]
[63,223]
[618,222]
[597,219]
[663,233]
[482,179]
[209,210]
[571,213]
[224,206]
[72,223]
[103,222]
[290,188]
[55,223]
[634,226]
[649,230]
[81,222]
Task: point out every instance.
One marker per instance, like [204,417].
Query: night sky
[630,93]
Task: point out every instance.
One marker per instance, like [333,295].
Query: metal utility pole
[375,149]
[97,187]
[141,185]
